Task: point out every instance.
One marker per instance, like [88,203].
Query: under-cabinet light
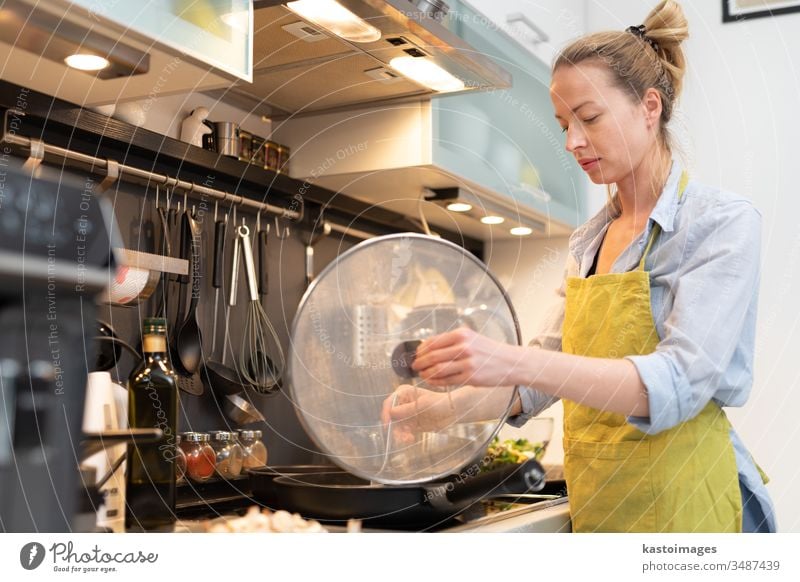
[336,19]
[69,43]
[424,71]
[459,207]
[85,62]
[521,231]
[493,219]
[485,209]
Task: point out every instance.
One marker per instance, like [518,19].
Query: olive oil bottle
[152,403]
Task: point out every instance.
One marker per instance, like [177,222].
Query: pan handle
[524,478]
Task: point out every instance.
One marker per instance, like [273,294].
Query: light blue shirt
[704,277]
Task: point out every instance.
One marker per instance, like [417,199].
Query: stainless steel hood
[299,67]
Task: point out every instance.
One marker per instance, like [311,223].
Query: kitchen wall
[531,272]
[737,129]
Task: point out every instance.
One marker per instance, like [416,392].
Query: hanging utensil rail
[115,171]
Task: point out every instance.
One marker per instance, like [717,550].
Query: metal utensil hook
[281,235]
[167,197]
[316,236]
[313,239]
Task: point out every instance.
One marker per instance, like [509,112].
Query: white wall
[531,272]
[738,125]
[166,113]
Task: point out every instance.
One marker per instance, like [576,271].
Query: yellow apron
[620,479]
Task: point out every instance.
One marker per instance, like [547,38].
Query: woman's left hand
[463,356]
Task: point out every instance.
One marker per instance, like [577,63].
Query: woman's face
[606,131]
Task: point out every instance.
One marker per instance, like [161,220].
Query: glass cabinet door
[216,32]
[508,139]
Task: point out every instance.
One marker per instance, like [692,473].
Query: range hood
[299,67]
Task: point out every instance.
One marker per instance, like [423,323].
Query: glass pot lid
[354,336]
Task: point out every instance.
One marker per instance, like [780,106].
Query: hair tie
[640,32]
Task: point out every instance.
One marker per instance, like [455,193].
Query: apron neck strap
[656,230]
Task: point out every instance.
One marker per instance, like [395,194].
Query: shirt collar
[663,213]
[667,206]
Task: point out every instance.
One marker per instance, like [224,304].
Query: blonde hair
[638,61]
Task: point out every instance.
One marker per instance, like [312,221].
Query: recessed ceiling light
[521,231]
[459,207]
[493,219]
[84,62]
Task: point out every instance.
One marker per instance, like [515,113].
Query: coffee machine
[55,256]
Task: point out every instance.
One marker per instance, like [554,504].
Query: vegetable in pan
[512,451]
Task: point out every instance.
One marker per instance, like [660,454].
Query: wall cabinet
[176,46]
[560,20]
[509,137]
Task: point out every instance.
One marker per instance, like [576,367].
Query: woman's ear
[652,106]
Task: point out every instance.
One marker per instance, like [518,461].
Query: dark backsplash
[135,213]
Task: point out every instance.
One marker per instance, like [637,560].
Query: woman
[655,329]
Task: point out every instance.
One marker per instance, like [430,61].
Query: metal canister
[226,138]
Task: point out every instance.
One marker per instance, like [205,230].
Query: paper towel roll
[131,285]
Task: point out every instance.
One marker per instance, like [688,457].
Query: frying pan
[342,496]
[262,478]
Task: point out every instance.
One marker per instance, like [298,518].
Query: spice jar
[228,453]
[284,152]
[255,453]
[273,157]
[180,460]
[200,457]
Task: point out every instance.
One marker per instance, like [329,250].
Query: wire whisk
[259,338]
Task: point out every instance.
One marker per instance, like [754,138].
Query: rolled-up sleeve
[549,338]
[707,344]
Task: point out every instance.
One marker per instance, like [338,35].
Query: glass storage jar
[255,453]
[200,457]
[228,453]
[180,460]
